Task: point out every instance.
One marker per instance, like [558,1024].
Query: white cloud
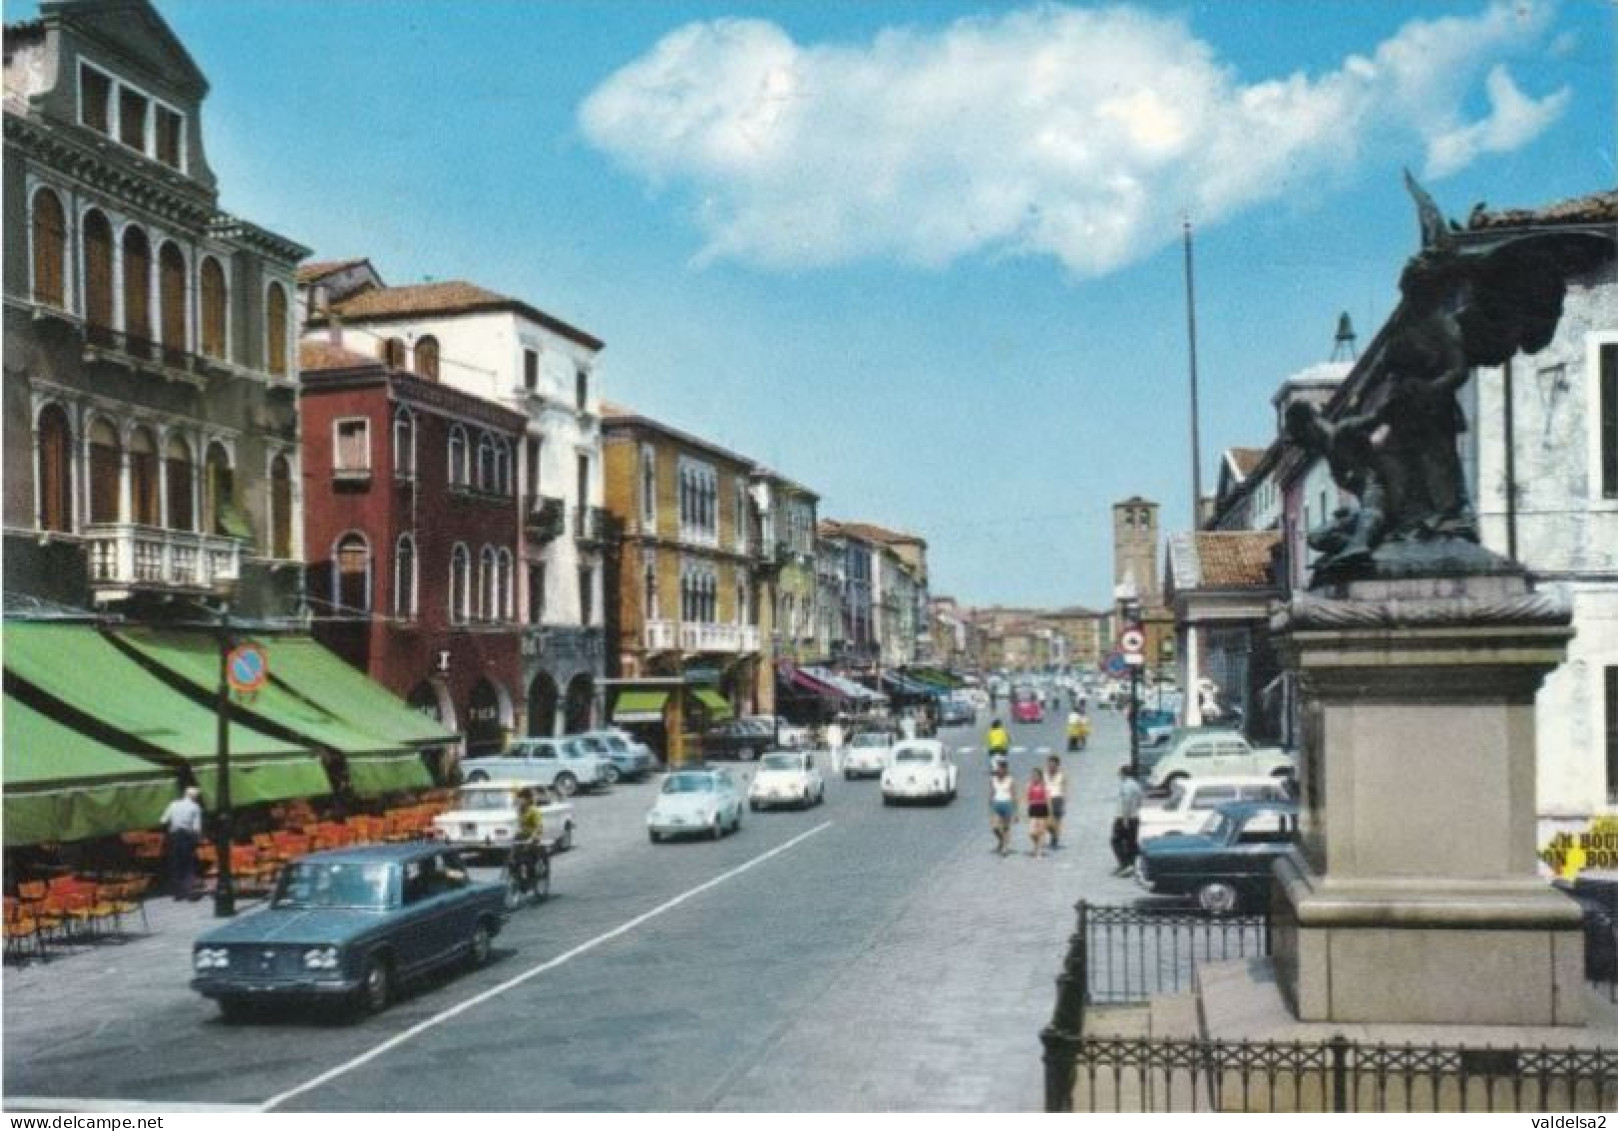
[1077,133]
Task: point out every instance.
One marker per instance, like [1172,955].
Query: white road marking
[511,983]
[94,1104]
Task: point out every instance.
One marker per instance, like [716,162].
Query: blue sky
[922,257]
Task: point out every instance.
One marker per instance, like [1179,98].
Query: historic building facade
[150,410]
[411,518]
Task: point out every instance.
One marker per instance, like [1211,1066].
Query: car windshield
[872,739]
[334,884]
[484,800]
[781,762]
[1220,826]
[689,783]
[614,743]
[911,754]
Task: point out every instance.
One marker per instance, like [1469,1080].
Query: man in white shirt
[182,820]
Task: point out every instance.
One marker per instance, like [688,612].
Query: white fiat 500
[866,754]
[920,770]
[786,777]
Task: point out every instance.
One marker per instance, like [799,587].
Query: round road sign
[1115,664]
[247,667]
[1132,640]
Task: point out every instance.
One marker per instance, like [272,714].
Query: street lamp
[224,893]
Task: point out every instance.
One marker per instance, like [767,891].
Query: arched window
[106,470]
[55,470]
[460,584]
[404,578]
[351,577]
[404,443]
[457,456]
[502,467]
[505,587]
[98,289]
[393,353]
[50,249]
[275,330]
[180,478]
[281,507]
[485,480]
[212,288]
[218,487]
[171,296]
[137,284]
[427,358]
[488,584]
[144,505]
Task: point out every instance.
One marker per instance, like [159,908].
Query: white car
[696,802]
[1205,752]
[560,764]
[786,777]
[1192,800]
[867,753]
[484,819]
[920,770]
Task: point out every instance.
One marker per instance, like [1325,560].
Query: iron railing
[1124,955]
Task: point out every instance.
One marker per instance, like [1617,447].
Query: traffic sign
[1135,659]
[1115,663]
[247,667]
[1132,640]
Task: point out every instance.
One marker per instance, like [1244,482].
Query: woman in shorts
[1002,805]
[1039,811]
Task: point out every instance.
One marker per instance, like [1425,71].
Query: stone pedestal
[1413,897]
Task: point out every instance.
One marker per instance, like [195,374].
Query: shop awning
[847,686]
[64,785]
[320,676]
[718,707]
[802,679]
[635,706]
[194,658]
[372,775]
[77,667]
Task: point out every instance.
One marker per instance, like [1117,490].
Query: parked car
[484,819]
[351,925]
[784,735]
[558,764]
[741,739]
[625,759]
[1191,800]
[1027,710]
[786,777]
[920,770]
[1213,751]
[1227,864]
[696,801]
[956,712]
[1156,727]
[867,753]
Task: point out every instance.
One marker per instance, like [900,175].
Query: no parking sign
[247,667]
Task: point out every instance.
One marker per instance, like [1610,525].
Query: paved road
[851,957]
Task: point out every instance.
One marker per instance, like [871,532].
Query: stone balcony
[124,557]
[685,636]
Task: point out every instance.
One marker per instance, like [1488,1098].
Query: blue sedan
[351,925]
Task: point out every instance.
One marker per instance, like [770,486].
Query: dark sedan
[351,925]
[1227,865]
[739,739]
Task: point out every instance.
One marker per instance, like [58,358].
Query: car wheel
[610,774]
[848,775]
[477,777]
[753,805]
[481,945]
[565,841]
[376,985]
[566,784]
[1217,898]
[736,825]
[717,829]
[656,837]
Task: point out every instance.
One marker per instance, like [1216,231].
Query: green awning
[717,706]
[195,659]
[373,775]
[639,706]
[63,785]
[78,667]
[321,677]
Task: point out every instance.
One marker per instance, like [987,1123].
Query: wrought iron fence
[1119,956]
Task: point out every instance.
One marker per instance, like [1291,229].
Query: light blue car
[696,802]
[624,758]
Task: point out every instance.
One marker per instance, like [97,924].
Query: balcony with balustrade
[543,517]
[125,557]
[592,526]
[690,636]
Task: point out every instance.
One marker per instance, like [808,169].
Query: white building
[504,350]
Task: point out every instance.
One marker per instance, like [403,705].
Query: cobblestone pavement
[886,961]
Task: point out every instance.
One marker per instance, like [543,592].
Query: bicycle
[526,881]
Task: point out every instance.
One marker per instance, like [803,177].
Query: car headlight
[211,958]
[320,958]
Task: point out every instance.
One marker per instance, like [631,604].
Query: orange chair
[126,896]
[22,928]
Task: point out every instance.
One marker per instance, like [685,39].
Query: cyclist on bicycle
[526,845]
[999,741]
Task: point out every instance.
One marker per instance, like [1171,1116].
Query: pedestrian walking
[1126,825]
[834,743]
[1038,800]
[1002,805]
[182,821]
[1056,786]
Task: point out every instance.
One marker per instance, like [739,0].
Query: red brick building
[411,521]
